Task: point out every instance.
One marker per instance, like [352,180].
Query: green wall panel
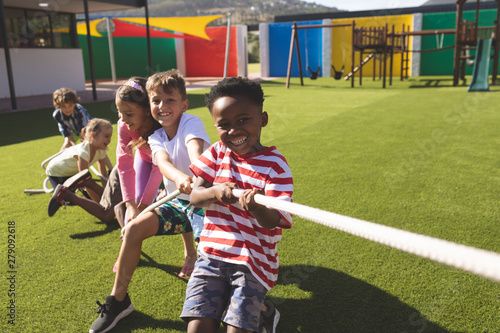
[130,56]
[441,62]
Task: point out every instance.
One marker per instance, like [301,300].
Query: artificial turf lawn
[424,160]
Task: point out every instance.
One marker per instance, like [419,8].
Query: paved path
[105,92]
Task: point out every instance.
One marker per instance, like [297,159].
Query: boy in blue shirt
[70,116]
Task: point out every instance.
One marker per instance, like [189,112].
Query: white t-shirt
[66,163]
[190,127]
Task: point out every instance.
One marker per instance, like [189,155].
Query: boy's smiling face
[67,108]
[167,108]
[239,123]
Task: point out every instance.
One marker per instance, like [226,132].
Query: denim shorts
[224,291]
[179,216]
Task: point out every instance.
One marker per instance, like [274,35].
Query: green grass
[423,160]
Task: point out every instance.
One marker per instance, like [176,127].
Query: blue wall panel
[311,46]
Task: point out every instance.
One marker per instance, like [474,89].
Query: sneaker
[57,199]
[75,181]
[110,313]
[269,318]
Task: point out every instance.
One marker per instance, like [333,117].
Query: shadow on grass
[41,124]
[110,227]
[340,303]
[138,320]
[148,261]
[434,83]
[38,124]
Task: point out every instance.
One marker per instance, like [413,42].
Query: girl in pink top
[139,178]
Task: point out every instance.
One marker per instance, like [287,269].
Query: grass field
[413,157]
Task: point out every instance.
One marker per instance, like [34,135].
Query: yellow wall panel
[342,41]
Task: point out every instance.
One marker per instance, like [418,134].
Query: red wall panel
[206,57]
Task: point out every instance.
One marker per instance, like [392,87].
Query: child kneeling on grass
[238,261]
[70,116]
[77,158]
[179,142]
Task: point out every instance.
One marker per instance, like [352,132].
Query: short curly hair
[64,95]
[236,86]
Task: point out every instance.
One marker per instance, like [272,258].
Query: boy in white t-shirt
[179,142]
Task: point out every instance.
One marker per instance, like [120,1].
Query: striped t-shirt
[232,234]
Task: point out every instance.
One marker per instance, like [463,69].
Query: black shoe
[75,181]
[56,200]
[269,318]
[110,313]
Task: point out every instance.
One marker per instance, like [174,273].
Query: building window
[35,28]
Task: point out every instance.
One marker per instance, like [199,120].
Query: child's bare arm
[195,149]
[168,170]
[205,193]
[82,164]
[266,217]
[109,165]
[104,167]
[68,142]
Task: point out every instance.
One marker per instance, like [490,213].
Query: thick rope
[479,262]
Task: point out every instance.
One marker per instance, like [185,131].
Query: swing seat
[337,75]
[313,74]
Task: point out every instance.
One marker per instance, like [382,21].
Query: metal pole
[290,55]
[111,50]
[353,53]
[148,38]
[391,62]
[91,53]
[8,63]
[386,29]
[228,44]
[496,46]
[298,57]
[458,42]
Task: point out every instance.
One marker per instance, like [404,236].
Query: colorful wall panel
[342,40]
[441,62]
[192,48]
[275,46]
[206,57]
[130,56]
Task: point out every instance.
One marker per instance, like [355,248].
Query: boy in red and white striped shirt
[238,259]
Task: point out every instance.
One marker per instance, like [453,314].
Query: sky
[354,5]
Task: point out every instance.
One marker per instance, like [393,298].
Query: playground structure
[381,44]
[467,37]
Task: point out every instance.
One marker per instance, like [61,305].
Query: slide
[357,68]
[481,66]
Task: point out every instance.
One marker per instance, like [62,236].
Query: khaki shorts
[112,194]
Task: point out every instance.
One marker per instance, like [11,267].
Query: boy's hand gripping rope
[480,262]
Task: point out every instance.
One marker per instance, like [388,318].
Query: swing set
[378,44]
[294,43]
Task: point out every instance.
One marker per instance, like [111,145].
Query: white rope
[480,262]
[168,197]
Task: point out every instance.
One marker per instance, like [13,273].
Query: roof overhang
[75,6]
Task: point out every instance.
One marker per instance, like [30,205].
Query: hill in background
[242,11]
